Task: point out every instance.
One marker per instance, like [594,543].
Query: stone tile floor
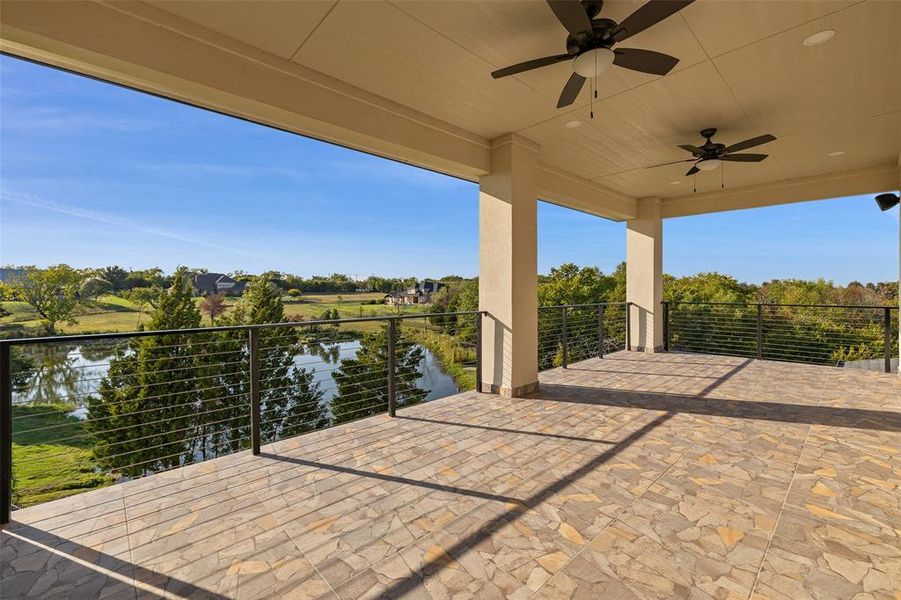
[635,476]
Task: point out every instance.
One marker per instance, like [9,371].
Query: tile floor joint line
[131,558]
[463,515]
[625,508]
[788,490]
[281,528]
[618,515]
[433,478]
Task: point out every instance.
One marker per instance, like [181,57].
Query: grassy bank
[456,360]
[46,469]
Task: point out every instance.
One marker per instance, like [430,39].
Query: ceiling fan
[710,155]
[590,43]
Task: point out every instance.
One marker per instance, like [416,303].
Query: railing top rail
[889,306]
[559,306]
[88,337]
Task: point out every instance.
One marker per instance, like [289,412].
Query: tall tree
[145,417]
[116,276]
[363,380]
[52,292]
[291,401]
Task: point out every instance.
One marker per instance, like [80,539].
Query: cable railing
[823,334]
[79,412]
[83,411]
[573,332]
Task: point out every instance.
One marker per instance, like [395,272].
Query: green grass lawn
[44,469]
[105,314]
[112,313]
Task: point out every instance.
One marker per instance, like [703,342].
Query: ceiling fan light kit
[593,62]
[710,164]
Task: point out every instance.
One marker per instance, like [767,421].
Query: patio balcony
[606,464]
[633,476]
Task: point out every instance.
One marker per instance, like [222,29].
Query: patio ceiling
[743,69]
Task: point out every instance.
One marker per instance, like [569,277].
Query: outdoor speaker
[887,201]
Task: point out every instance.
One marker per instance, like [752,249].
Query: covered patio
[643,474]
[633,476]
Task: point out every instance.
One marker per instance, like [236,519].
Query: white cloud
[109,219]
[369,169]
[51,120]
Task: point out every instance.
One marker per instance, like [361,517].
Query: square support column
[508,268]
[644,276]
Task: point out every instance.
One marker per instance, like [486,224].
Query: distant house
[216,283]
[420,293]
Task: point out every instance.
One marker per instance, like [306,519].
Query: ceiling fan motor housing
[598,37]
[710,149]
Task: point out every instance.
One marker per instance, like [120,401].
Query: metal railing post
[253,348]
[392,359]
[666,326]
[759,331]
[600,331]
[564,339]
[6,433]
[628,327]
[887,338]
[479,352]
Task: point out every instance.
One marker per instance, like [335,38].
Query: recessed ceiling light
[572,124]
[836,153]
[820,37]
[675,182]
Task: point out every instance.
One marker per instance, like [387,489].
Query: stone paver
[632,476]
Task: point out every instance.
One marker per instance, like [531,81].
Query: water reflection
[69,374]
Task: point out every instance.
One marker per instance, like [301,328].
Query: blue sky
[92,174]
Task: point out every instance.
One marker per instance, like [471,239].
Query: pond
[70,375]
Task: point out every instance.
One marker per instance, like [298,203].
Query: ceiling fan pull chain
[594,82]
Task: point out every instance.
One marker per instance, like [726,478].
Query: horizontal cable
[146,437]
[88,434]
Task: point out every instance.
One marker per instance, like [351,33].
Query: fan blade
[744,157]
[650,14]
[690,148]
[760,139]
[675,162]
[571,90]
[646,61]
[692,171]
[571,14]
[529,65]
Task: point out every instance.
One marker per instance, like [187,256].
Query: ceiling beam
[142,47]
[870,180]
[563,188]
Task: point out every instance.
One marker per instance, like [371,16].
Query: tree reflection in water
[65,373]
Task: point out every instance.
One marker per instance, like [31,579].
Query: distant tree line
[58,292]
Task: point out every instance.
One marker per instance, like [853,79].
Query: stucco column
[644,276]
[508,268]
